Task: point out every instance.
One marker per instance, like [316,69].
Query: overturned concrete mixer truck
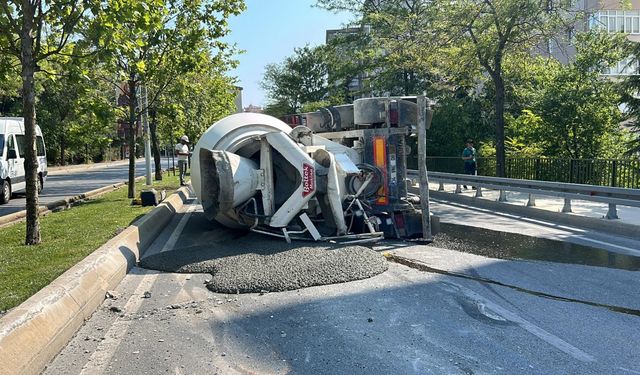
[336,174]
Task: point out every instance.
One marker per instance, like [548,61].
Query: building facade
[609,15]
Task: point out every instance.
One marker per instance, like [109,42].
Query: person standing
[182,152]
[469,157]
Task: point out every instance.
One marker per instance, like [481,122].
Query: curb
[66,203]
[600,225]
[34,332]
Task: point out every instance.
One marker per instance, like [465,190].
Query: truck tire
[5,192]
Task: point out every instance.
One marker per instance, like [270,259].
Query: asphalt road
[60,185]
[504,316]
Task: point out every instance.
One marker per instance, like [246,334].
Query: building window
[628,66]
[626,21]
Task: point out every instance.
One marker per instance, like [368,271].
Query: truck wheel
[5,194]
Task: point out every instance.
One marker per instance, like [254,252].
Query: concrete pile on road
[255,264]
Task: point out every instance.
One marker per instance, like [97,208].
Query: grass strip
[67,238]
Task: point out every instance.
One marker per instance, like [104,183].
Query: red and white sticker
[308,179]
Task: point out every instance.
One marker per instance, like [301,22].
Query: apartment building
[610,15]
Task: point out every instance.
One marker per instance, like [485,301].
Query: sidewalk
[628,215]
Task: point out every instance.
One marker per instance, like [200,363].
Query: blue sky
[269,30]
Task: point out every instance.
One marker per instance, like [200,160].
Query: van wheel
[5,194]
[39,184]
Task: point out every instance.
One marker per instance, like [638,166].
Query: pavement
[33,333]
[443,311]
[627,214]
[435,310]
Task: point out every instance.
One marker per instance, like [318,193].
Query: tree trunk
[154,147]
[29,112]
[499,108]
[63,149]
[132,135]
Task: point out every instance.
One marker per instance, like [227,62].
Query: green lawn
[67,237]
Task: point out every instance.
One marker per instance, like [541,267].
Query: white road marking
[116,333]
[171,242]
[528,326]
[107,348]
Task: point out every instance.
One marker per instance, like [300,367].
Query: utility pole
[424,121]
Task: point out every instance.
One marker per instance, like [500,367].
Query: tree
[192,103]
[155,41]
[392,51]
[34,31]
[572,109]
[492,30]
[75,112]
[631,99]
[300,79]
[440,43]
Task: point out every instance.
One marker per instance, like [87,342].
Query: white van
[12,154]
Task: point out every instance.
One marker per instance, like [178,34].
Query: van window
[20,143]
[10,143]
[40,146]
[1,145]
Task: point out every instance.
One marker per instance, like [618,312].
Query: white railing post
[478,192]
[567,205]
[612,213]
[503,196]
[458,189]
[441,187]
[532,201]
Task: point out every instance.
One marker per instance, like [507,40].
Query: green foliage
[631,101]
[153,42]
[457,117]
[570,110]
[278,108]
[300,79]
[193,102]
[76,114]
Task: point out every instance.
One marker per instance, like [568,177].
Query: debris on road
[111,295]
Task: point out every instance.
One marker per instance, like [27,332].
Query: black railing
[602,172]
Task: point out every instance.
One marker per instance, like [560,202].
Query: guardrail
[623,173]
[613,196]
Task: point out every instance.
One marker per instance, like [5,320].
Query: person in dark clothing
[469,157]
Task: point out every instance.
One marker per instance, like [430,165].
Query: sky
[268,31]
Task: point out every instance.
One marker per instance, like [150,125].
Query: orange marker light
[380,161]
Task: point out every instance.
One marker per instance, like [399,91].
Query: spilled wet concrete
[254,264]
[503,245]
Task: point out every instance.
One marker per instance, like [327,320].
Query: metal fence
[602,172]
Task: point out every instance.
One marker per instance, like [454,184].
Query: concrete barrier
[33,333]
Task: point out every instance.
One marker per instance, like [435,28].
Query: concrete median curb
[601,225]
[35,331]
